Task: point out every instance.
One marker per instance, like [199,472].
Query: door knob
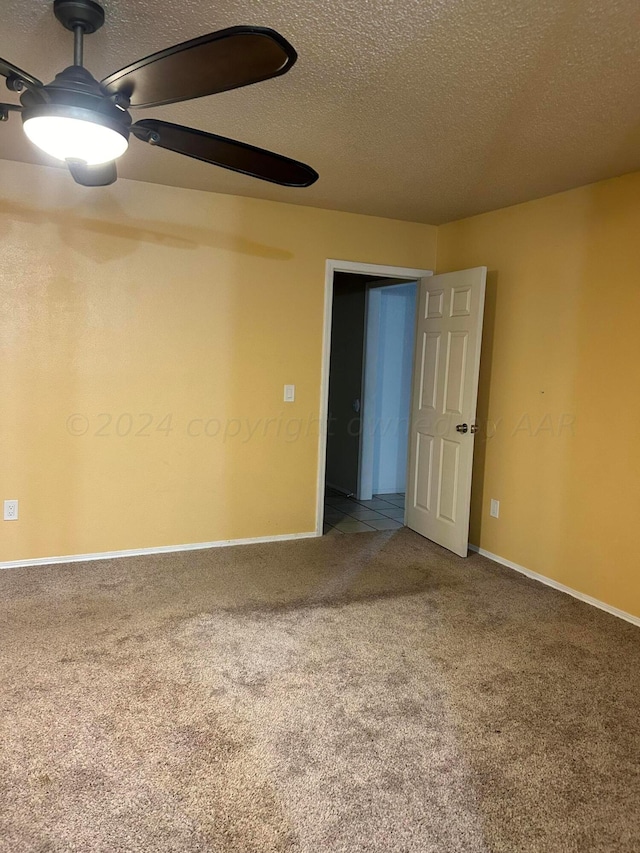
[462,428]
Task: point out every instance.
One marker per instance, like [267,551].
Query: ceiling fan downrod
[82,17]
[78,44]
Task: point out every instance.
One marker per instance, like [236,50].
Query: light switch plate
[495,508]
[289,393]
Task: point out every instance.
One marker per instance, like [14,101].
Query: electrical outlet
[495,508]
[11,510]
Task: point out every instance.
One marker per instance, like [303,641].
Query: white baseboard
[621,614]
[224,543]
[162,549]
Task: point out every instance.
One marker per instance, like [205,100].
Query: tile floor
[348,515]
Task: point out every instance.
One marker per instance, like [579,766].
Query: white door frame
[332,266]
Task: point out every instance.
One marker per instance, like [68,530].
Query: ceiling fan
[87,124]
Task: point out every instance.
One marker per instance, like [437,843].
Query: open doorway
[368,392]
[442,428]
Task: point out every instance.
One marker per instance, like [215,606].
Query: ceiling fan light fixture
[76,135]
[86,124]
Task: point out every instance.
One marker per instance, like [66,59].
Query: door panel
[429,369]
[448,481]
[447,363]
[454,373]
[424,471]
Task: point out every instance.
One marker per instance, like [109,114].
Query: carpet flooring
[368,692]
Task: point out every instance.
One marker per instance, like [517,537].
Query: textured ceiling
[426,110]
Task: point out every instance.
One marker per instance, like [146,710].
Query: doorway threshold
[349,515]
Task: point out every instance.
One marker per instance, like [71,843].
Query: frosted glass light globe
[74,139]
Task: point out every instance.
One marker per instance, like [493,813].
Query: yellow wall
[560,385]
[150,301]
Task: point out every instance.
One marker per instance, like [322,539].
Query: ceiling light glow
[75,139]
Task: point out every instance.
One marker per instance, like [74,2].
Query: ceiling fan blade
[228,153]
[5,109]
[203,66]
[12,72]
[93,176]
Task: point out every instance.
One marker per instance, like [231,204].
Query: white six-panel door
[445,392]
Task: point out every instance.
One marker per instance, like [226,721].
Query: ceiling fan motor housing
[74,93]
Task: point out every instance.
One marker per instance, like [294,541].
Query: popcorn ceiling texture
[425,110]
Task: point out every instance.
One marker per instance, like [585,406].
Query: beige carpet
[363,693]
